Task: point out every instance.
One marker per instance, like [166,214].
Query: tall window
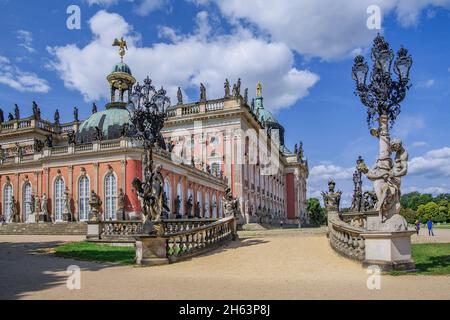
[59,194]
[207,207]
[110,197]
[26,200]
[199,200]
[7,198]
[167,191]
[83,198]
[180,194]
[220,208]
[214,206]
[215,168]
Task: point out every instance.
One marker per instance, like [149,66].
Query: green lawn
[430,259]
[96,252]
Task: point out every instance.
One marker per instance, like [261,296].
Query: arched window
[168,193]
[83,198]
[7,199]
[214,203]
[207,207]
[26,200]
[59,194]
[199,200]
[110,196]
[180,194]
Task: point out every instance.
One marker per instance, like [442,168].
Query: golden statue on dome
[122,44]
[259,89]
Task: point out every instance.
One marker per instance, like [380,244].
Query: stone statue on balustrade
[197,210]
[16,112]
[2,116]
[38,145]
[37,208]
[179,96]
[202,92]
[71,137]
[230,204]
[43,216]
[14,217]
[332,198]
[48,141]
[189,207]
[121,205]
[227,88]
[386,175]
[95,203]
[178,207]
[67,210]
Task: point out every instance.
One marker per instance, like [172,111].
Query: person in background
[430,227]
[417,223]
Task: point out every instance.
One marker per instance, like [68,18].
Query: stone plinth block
[151,251]
[389,250]
[93,231]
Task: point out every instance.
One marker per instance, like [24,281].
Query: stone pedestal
[93,231]
[388,250]
[151,251]
[31,218]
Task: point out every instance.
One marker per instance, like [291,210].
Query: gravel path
[296,265]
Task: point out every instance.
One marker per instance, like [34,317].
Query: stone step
[44,229]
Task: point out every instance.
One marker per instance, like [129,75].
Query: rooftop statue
[227,88]
[180,96]
[332,198]
[75,114]
[202,92]
[17,112]
[2,117]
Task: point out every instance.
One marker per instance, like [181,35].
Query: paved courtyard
[277,265]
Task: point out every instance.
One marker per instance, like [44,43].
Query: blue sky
[302,52]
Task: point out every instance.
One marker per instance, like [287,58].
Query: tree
[316,212]
[409,214]
[428,211]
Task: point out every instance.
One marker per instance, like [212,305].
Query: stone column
[96,165]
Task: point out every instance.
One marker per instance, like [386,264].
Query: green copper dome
[110,122]
[121,67]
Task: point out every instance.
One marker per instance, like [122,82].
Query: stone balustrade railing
[192,242]
[126,230]
[214,106]
[31,123]
[347,240]
[190,110]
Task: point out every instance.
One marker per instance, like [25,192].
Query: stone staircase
[72,228]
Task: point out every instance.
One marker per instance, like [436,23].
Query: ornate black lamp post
[148,112]
[382,97]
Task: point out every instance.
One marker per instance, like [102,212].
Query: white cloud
[26,40]
[105,3]
[185,61]
[148,6]
[435,163]
[20,80]
[324,172]
[417,144]
[321,28]
[427,190]
[426,84]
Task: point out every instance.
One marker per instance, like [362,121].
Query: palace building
[50,171]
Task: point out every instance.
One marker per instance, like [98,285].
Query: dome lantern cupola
[121,79]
